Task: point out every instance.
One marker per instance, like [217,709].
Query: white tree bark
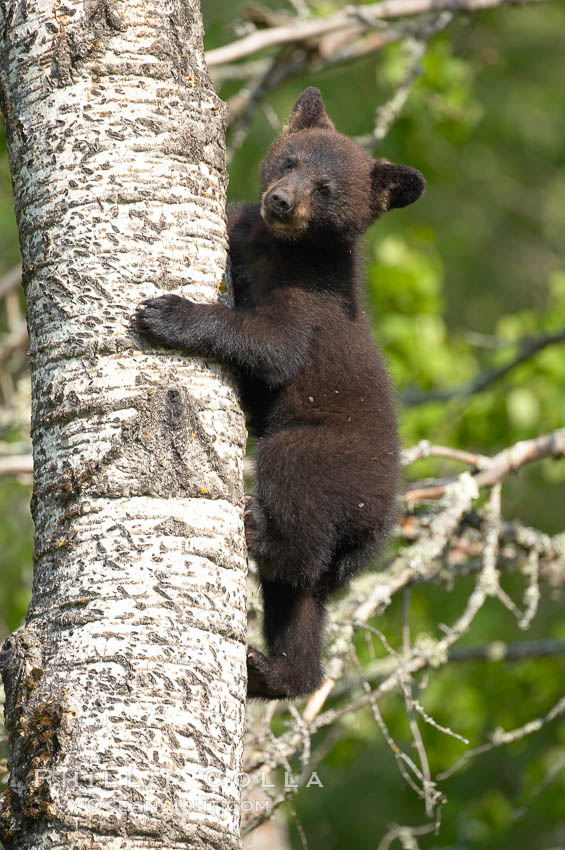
[125,689]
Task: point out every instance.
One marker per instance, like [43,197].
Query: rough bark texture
[125,688]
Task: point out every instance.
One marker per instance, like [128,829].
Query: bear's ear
[308,111]
[395,186]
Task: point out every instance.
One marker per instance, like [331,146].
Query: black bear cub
[313,383]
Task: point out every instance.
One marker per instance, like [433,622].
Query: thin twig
[298,825]
[499,651]
[528,349]
[500,737]
[429,788]
[532,592]
[404,762]
[415,48]
[431,722]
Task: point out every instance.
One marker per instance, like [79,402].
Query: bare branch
[317,54]
[15,465]
[499,466]
[294,60]
[360,17]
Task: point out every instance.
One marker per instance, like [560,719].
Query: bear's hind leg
[293,625]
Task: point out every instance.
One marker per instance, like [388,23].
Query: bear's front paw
[165,320]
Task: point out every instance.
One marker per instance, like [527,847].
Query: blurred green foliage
[454,283]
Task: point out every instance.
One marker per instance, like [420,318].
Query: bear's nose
[280,201]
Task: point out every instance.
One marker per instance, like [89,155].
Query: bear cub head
[315,182]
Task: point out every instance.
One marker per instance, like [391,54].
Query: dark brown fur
[313,382]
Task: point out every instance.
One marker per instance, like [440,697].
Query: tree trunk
[125,689]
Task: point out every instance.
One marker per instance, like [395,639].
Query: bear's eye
[323,191]
[288,164]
